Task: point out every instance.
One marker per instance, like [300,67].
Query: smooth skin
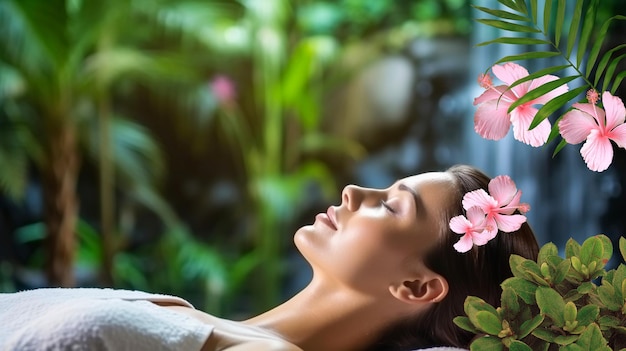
[368,271]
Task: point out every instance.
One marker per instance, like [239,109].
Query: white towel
[96,319]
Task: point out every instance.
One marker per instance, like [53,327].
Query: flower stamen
[485,81]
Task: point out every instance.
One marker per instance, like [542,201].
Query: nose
[353,196]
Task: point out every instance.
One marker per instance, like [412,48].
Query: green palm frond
[580,32]
[13,162]
[136,155]
[30,29]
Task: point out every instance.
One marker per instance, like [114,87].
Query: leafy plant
[555,303]
[577,39]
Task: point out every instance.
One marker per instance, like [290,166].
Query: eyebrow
[416,198]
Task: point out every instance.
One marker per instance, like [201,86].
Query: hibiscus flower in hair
[492,119]
[597,127]
[489,212]
[472,228]
[499,205]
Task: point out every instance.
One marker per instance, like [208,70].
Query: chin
[307,241]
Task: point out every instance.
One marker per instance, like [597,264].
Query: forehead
[443,180]
[436,189]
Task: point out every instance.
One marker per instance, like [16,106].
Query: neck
[326,318]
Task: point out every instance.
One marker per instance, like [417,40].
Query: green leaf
[573,28]
[487,343]
[608,321]
[617,81]
[523,288]
[604,62]
[529,325]
[501,14]
[576,263]
[560,17]
[516,41]
[588,314]
[606,293]
[533,9]
[585,288]
[540,91]
[607,248]
[608,76]
[544,334]
[547,15]
[488,322]
[572,248]
[570,312]
[551,304]
[585,34]
[512,27]
[473,305]
[548,249]
[517,345]
[513,5]
[591,250]
[572,295]
[592,339]
[619,277]
[515,263]
[465,324]
[554,260]
[531,267]
[509,302]
[622,247]
[593,54]
[538,278]
[561,145]
[565,339]
[521,6]
[571,347]
[527,56]
[561,271]
[555,104]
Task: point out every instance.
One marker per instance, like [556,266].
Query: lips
[328,218]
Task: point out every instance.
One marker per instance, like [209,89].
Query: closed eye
[389,208]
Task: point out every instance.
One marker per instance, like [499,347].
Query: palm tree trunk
[59,177]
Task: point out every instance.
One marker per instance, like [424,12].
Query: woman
[386,274]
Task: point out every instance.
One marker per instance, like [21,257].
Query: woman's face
[377,235]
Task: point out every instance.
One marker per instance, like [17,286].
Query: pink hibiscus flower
[499,206]
[492,121]
[472,228]
[591,123]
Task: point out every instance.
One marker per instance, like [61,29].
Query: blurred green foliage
[247,80]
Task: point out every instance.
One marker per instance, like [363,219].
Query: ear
[425,289]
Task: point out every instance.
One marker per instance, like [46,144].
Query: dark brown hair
[478,272]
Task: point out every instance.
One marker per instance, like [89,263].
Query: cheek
[374,248]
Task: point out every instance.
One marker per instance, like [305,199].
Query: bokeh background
[175,146]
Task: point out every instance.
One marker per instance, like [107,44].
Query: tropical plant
[555,303]
[578,44]
[60,62]
[570,303]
